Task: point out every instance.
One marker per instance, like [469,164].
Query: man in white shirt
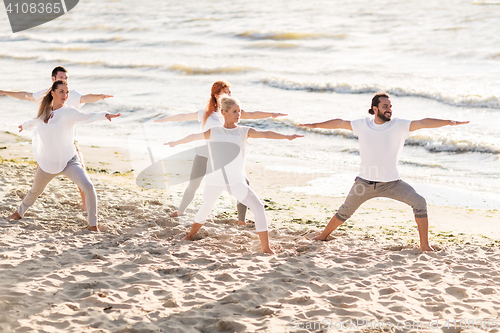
[381,141]
[75,100]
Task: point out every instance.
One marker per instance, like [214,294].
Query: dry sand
[137,276]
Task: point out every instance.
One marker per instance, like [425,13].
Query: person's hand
[2,92]
[103,96]
[307,125]
[294,136]
[275,115]
[110,116]
[20,128]
[455,123]
[171,144]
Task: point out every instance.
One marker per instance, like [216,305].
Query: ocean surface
[314,60]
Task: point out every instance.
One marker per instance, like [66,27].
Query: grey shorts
[364,190]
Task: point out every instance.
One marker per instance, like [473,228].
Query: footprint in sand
[457,292]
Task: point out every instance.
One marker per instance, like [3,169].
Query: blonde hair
[212,104]
[45,106]
[226,102]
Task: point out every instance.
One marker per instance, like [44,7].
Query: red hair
[213,102]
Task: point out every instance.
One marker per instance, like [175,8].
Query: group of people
[381,140]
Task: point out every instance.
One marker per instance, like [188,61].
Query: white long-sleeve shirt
[53,142]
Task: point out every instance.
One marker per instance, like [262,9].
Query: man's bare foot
[427,248]
[94,228]
[268,250]
[241,223]
[177,213]
[320,238]
[188,237]
[15,216]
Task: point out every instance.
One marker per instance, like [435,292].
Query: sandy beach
[138,276]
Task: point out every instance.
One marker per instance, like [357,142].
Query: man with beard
[381,141]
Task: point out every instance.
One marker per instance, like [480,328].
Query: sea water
[313,60]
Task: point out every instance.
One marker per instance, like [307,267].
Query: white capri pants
[243,193]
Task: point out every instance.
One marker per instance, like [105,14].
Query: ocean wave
[110,28]
[256,35]
[203,19]
[191,70]
[452,144]
[33,38]
[487,3]
[184,69]
[16,57]
[273,45]
[71,49]
[99,63]
[349,88]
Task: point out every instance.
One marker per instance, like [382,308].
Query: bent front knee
[420,207]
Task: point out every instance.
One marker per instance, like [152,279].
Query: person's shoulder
[361,121]
[75,92]
[401,121]
[40,94]
[201,113]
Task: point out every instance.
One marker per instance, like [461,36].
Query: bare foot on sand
[94,228]
[177,213]
[188,238]
[14,216]
[427,248]
[241,223]
[319,238]
[268,250]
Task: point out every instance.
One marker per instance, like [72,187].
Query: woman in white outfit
[54,148]
[210,117]
[230,177]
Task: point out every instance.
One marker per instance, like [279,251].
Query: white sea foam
[462,100]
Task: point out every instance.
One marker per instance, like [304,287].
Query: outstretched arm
[91,98]
[260,114]
[179,117]
[28,125]
[23,95]
[252,133]
[330,124]
[433,123]
[189,138]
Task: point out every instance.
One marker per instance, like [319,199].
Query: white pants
[243,193]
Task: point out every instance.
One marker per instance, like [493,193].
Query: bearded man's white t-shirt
[380,147]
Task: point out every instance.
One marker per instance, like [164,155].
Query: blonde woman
[211,117]
[231,177]
[55,151]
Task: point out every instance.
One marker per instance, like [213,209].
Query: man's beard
[382,116]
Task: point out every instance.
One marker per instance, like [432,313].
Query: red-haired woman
[54,148]
[210,117]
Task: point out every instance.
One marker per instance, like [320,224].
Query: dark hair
[44,110]
[57,70]
[213,102]
[376,100]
